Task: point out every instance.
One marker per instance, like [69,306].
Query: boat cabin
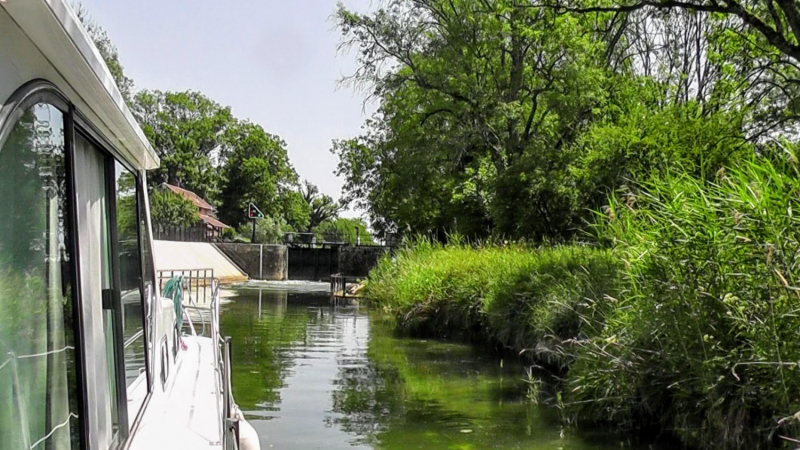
[90,354]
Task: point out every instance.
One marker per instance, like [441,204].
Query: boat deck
[188,415]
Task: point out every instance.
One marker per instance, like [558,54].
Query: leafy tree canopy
[344,229]
[322,207]
[256,168]
[517,119]
[186,129]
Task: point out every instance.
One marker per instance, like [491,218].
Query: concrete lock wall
[315,264]
[259,261]
[171,255]
[358,261]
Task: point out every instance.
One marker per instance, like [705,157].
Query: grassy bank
[689,322]
[521,299]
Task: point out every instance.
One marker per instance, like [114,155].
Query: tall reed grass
[515,297]
[689,323]
[705,338]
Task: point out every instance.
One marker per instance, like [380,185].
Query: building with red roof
[205,211]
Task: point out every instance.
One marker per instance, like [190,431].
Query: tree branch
[775,38]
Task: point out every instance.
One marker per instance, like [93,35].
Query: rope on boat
[174,289]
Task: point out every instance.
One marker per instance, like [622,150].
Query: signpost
[253,213]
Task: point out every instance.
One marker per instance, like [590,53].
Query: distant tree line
[228,161]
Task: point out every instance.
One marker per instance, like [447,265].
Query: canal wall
[358,261]
[259,261]
[279,262]
[171,255]
[314,264]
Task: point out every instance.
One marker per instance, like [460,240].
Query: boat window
[38,388]
[130,265]
[101,319]
[148,272]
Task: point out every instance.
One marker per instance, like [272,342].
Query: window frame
[42,91]
[24,98]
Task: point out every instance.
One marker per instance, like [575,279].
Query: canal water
[312,375]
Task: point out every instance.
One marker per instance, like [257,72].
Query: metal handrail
[339,284]
[195,278]
[195,281]
[230,436]
[222,363]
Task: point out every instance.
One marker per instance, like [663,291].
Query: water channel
[312,375]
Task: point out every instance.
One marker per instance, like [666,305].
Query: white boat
[91,355]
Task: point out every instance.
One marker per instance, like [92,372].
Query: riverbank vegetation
[646,152]
[687,321]
[525,300]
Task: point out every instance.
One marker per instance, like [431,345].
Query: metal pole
[261,263]
[253,239]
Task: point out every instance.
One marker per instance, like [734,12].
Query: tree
[475,97]
[269,230]
[168,208]
[745,51]
[255,169]
[515,119]
[322,206]
[186,129]
[778,22]
[295,210]
[344,229]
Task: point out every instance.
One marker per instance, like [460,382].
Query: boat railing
[198,293]
[204,302]
[222,362]
[340,283]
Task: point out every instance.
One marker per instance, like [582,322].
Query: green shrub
[704,340]
[169,208]
[269,230]
[344,229]
[526,300]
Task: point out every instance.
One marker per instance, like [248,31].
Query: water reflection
[309,374]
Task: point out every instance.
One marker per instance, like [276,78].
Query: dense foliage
[522,299]
[169,208]
[255,169]
[345,230]
[269,230]
[703,338]
[512,119]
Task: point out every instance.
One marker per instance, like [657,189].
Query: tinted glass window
[130,263]
[148,276]
[38,392]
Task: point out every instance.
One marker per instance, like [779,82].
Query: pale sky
[273,62]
